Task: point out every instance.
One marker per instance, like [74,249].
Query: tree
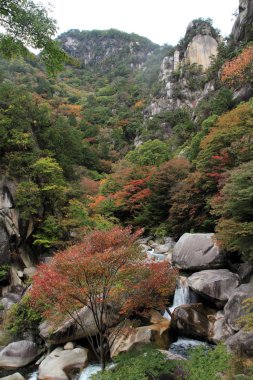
[108,274]
[234,207]
[28,23]
[153,152]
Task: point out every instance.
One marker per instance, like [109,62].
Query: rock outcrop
[18,354]
[196,252]
[242,29]
[54,365]
[241,343]
[15,376]
[201,49]
[215,285]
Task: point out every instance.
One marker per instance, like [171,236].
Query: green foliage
[28,199]
[28,23]
[48,233]
[153,152]
[208,364]
[4,271]
[22,317]
[234,207]
[138,365]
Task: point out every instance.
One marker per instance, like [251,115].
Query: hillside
[132,151]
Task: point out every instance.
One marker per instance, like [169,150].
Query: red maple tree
[110,275]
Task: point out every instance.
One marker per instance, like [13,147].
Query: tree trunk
[102,352]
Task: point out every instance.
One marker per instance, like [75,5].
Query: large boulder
[18,354]
[201,49]
[130,337]
[196,252]
[234,308]
[215,285]
[193,321]
[241,343]
[54,365]
[69,330]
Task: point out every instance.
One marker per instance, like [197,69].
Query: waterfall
[181,296]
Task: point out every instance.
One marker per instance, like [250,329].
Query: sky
[162,21]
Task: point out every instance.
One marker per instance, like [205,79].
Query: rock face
[18,354]
[241,343]
[201,49]
[197,252]
[220,330]
[52,368]
[234,308]
[192,321]
[216,285]
[242,29]
[69,330]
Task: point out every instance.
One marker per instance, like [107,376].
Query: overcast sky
[162,21]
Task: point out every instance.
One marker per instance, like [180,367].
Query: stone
[69,346]
[192,320]
[10,299]
[69,330]
[29,272]
[130,337]
[241,343]
[53,366]
[220,330]
[234,309]
[196,252]
[4,246]
[15,376]
[215,285]
[18,354]
[245,271]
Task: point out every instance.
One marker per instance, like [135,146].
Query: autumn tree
[108,274]
[27,23]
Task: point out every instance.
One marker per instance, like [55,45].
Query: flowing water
[181,296]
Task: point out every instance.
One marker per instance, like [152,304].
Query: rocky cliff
[104,49]
[243,27]
[182,74]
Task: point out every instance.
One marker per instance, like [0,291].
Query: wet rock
[234,309]
[241,343]
[18,354]
[54,365]
[192,321]
[197,252]
[216,285]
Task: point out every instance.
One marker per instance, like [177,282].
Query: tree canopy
[26,23]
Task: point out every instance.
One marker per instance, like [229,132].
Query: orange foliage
[70,109]
[239,70]
[89,186]
[139,104]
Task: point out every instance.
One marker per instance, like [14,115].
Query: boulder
[234,309]
[201,49]
[196,252]
[215,285]
[54,365]
[245,271]
[241,343]
[18,354]
[130,337]
[192,320]
[220,330]
[69,330]
[15,376]
[69,346]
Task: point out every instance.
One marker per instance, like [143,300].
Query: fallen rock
[131,337]
[55,364]
[18,354]
[69,346]
[215,285]
[193,321]
[15,376]
[197,252]
[241,343]
[234,309]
